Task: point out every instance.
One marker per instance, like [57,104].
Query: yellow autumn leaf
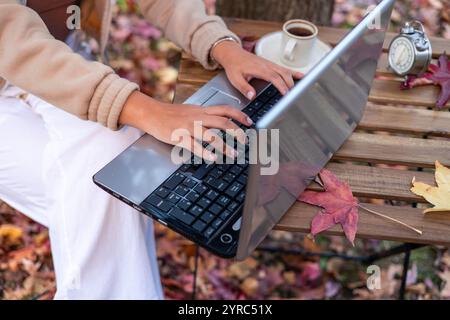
[10,232]
[438,196]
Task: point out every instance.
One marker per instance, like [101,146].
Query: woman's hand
[161,120]
[241,66]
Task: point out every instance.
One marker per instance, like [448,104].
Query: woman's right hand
[161,120]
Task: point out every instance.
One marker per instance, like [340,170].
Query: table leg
[401,294]
[194,280]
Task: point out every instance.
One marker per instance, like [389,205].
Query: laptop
[229,209]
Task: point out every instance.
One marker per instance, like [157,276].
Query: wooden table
[418,136]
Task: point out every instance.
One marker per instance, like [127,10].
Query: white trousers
[102,248]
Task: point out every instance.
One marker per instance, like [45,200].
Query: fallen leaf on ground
[419,289]
[10,233]
[243,269]
[310,274]
[337,203]
[290,277]
[331,289]
[438,196]
[250,286]
[445,277]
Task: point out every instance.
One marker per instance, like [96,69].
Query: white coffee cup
[298,42]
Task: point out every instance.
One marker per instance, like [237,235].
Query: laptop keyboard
[204,196]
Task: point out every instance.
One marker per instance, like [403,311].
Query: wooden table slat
[376,182]
[184,91]
[406,120]
[193,72]
[388,92]
[388,149]
[435,227]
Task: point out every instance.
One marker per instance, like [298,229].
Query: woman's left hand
[241,66]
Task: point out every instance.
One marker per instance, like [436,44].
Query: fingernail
[211,157]
[249,121]
[250,95]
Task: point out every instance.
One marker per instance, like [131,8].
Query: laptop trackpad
[220,98]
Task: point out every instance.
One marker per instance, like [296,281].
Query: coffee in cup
[298,42]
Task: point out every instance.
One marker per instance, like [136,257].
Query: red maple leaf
[441,76]
[338,204]
[438,75]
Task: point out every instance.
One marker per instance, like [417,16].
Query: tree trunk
[317,11]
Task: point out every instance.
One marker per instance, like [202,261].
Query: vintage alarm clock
[410,52]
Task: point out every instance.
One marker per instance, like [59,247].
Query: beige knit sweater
[33,60]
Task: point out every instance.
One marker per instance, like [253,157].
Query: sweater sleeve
[33,60]
[186,23]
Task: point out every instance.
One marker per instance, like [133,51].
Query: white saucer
[268,47]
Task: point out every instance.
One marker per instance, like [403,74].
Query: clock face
[401,56]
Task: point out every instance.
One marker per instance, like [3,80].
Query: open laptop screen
[312,122]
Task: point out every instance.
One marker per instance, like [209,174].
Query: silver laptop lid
[313,122]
